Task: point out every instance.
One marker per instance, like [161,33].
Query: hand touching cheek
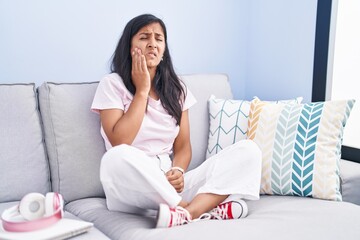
[139,73]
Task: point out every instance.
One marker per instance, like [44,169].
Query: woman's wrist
[179,169]
[142,94]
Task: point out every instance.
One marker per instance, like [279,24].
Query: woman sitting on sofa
[143,108]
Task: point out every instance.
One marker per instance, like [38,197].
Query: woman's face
[151,41]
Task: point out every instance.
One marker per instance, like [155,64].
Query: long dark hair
[167,84]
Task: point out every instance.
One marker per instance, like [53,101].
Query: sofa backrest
[202,86]
[23,164]
[73,140]
[72,137]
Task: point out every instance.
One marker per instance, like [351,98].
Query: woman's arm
[182,145]
[182,154]
[122,127]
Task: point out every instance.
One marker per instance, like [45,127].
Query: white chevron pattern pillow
[229,122]
[300,145]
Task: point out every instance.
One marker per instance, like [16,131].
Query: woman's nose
[152,43]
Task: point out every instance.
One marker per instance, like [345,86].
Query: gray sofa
[50,141]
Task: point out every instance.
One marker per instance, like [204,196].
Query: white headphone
[35,211]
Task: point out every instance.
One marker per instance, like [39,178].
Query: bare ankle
[183,204]
[193,212]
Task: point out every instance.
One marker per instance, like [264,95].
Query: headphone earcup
[32,206]
[50,200]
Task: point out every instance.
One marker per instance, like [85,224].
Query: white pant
[134,182]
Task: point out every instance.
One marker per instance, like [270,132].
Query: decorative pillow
[23,164]
[301,146]
[72,138]
[229,122]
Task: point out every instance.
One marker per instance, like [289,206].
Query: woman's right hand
[139,73]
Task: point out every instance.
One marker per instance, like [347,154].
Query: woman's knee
[253,150]
[252,146]
[115,157]
[248,149]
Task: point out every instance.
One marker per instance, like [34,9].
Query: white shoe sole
[163,217]
[244,207]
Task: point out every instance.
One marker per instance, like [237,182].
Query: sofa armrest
[350,178]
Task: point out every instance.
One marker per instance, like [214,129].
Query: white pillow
[229,122]
[301,146]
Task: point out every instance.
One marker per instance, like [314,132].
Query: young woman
[143,108]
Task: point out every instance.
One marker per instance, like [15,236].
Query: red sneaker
[230,210]
[171,217]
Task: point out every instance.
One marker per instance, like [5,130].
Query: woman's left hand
[176,179]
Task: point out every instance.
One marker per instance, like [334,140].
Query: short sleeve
[111,93]
[189,100]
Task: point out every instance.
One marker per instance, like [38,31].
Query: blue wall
[280,49]
[266,47]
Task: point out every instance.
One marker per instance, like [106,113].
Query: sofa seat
[271,217]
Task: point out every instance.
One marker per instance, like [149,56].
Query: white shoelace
[183,216]
[220,212]
[204,216]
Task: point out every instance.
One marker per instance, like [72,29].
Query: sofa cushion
[23,164]
[301,146]
[271,217]
[73,140]
[229,122]
[350,179]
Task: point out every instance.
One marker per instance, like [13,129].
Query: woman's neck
[152,92]
[152,72]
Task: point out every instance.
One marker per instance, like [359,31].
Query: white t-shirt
[158,129]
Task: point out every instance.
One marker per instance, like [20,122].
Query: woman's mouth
[151,54]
